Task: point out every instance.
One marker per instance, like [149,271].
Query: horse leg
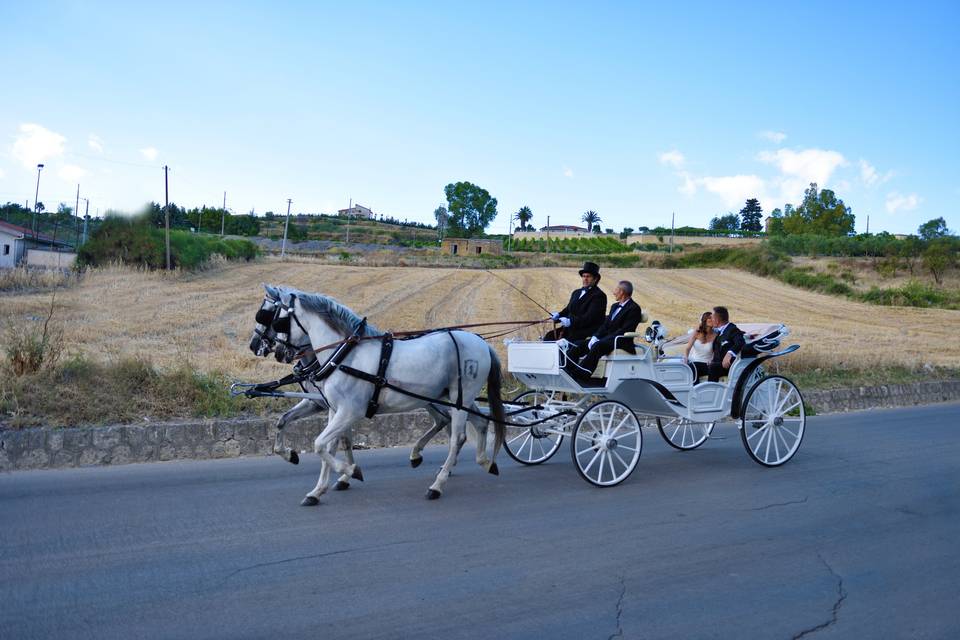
[339,423]
[457,422]
[343,482]
[440,420]
[303,408]
[480,425]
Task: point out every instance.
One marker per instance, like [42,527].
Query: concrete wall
[643,238]
[50,259]
[51,448]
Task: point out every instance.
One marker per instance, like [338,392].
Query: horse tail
[497,413]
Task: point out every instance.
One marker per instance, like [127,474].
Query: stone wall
[52,448]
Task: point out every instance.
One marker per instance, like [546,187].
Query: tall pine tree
[750,216]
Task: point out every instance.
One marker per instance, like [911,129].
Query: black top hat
[591,268]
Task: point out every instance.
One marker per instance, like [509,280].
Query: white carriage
[605,418]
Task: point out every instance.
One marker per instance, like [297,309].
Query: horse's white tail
[495,401]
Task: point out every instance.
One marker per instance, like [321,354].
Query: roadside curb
[50,448]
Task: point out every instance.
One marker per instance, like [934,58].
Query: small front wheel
[606,443]
[534,444]
[772,420]
[683,434]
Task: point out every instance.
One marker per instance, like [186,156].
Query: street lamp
[36,195]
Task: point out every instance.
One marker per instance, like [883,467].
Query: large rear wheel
[606,443]
[533,444]
[772,421]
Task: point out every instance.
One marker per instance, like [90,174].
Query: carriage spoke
[786,446]
[757,432]
[613,472]
[592,460]
[766,453]
[776,445]
[620,458]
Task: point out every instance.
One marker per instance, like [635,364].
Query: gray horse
[442,365]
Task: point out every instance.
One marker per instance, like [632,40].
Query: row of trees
[205,219]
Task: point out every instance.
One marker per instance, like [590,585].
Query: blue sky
[633,110]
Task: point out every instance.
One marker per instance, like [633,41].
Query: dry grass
[21,279]
[871,272]
[205,319]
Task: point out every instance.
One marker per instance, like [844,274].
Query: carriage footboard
[648,397]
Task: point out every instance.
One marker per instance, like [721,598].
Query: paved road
[856,537]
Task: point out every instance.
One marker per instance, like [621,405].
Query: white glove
[555,316]
[564,321]
[593,341]
[563,344]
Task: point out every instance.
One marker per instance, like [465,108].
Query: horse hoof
[415,462]
[309,501]
[494,469]
[294,458]
[342,486]
[432,494]
[357,474]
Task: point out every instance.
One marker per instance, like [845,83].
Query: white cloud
[568,172]
[149,153]
[673,158]
[95,143]
[71,172]
[897,202]
[2,174]
[37,144]
[799,168]
[776,137]
[869,175]
[689,186]
[734,190]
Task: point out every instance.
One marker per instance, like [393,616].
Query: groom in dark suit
[584,313]
[624,316]
[727,345]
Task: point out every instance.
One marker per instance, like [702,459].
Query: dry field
[867,275]
[206,318]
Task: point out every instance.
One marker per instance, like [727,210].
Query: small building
[471,247]
[17,242]
[357,211]
[564,228]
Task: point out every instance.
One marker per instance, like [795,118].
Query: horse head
[264,338]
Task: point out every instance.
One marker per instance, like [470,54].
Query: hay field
[206,318]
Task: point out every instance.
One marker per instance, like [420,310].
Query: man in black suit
[624,316]
[584,313]
[726,346]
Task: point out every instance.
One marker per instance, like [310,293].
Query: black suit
[616,324]
[729,341]
[585,314]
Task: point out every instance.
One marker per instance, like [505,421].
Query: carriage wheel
[606,443]
[683,434]
[772,420]
[531,445]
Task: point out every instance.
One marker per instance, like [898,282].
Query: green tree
[626,233]
[471,208]
[750,216]
[729,222]
[936,228]
[776,223]
[592,218]
[938,257]
[821,212]
[523,216]
[443,218]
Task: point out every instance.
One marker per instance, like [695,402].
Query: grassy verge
[79,391]
[837,378]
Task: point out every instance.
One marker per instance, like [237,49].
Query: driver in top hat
[585,311]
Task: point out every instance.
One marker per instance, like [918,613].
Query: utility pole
[86,217]
[868,224]
[36,198]
[286,225]
[673,218]
[348,220]
[76,212]
[166,212]
[223,213]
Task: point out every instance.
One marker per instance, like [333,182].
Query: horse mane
[339,316]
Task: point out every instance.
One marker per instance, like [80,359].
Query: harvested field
[206,318]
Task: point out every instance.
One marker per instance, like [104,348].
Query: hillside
[210,323]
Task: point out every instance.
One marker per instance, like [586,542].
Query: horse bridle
[275,326]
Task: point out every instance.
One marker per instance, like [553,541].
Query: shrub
[30,347]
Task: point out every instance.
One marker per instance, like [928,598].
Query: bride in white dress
[699,349]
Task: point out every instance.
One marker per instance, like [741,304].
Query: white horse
[451,366]
[264,342]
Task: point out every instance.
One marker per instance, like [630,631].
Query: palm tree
[524,216]
[591,218]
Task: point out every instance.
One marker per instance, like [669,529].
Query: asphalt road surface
[857,537]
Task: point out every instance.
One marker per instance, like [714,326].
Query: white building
[17,243]
[357,211]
